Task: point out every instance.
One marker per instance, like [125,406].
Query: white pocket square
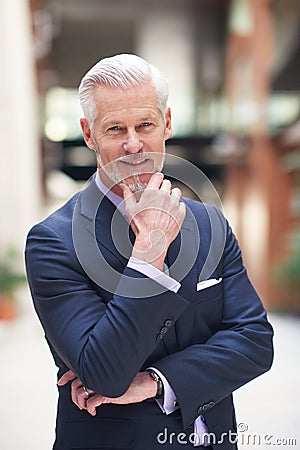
[208,283]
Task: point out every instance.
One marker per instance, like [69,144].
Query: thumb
[93,402]
[126,190]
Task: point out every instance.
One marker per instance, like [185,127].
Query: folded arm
[91,337]
[203,374]
[94,337]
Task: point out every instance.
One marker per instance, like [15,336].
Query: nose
[133,143]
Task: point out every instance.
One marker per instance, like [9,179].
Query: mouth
[133,166]
[135,162]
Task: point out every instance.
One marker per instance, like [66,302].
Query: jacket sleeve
[203,374]
[104,343]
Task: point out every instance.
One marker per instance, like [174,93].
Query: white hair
[123,71]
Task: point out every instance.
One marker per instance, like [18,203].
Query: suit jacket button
[168,323]
[200,410]
[159,337]
[164,330]
[205,407]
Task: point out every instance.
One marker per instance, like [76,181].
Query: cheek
[157,143]
[109,151]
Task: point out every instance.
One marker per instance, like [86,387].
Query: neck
[109,184]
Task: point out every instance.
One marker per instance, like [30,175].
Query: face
[129,135]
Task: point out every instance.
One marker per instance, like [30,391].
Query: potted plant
[10,280]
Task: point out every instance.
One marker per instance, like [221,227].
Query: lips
[136,162]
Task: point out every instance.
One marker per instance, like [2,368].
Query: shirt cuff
[168,403]
[154,273]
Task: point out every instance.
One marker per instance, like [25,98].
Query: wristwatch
[160,385]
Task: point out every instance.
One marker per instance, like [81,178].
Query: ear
[168,130]
[87,134]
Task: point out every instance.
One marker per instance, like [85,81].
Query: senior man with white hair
[148,355]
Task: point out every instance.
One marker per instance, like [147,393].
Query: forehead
[113,99]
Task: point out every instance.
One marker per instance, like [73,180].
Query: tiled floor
[267,408]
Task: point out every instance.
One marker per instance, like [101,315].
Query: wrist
[153,253]
[159,384]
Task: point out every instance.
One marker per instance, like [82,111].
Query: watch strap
[160,385]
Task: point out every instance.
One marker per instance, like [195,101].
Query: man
[152,347]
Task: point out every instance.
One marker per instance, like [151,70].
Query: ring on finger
[85,391]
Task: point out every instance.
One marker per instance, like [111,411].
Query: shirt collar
[114,198]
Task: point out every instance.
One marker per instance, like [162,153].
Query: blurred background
[234,74]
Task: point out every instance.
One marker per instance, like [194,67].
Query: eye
[114,128]
[145,125]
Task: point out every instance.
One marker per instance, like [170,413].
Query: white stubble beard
[112,171]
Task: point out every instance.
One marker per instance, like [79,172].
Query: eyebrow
[147,118]
[111,122]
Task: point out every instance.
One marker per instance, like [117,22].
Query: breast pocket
[209,293]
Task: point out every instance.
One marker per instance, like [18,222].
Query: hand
[78,390]
[155,218]
[142,387]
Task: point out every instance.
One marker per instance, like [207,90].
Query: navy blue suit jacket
[100,322]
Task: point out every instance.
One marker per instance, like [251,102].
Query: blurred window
[62,114]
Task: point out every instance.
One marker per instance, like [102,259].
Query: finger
[176,192]
[166,186]
[82,397]
[67,376]
[93,402]
[182,208]
[126,190]
[155,181]
[75,387]
[128,195]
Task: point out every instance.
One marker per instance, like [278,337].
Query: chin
[138,183]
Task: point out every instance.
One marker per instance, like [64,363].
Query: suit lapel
[113,232]
[106,223]
[94,246]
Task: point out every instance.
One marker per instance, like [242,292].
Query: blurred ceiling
[286,73]
[85,32]
[82,32]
